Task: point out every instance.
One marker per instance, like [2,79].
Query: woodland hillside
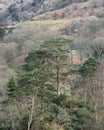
[52,65]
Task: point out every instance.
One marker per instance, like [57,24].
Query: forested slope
[51,65]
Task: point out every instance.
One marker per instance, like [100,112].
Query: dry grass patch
[48,23]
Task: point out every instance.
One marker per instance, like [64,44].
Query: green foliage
[41,74]
[54,115]
[69,103]
[4,128]
[61,100]
[59,50]
[11,86]
[75,103]
[2,33]
[66,89]
[43,66]
[34,74]
[79,111]
[88,68]
[80,118]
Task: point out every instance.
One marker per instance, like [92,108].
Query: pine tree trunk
[58,82]
[85,96]
[31,113]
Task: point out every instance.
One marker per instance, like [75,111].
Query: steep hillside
[27,9]
[30,23]
[22,10]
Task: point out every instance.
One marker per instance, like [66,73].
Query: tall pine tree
[59,49]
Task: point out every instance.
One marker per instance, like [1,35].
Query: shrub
[2,33]
[88,68]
